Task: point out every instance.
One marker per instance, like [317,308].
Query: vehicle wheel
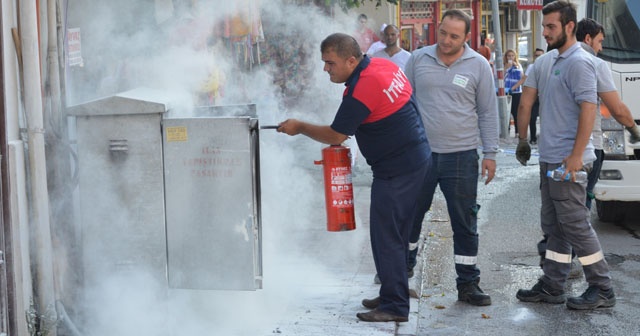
[610,211]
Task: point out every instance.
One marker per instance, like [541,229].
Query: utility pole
[503,109]
[44,315]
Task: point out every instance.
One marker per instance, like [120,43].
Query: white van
[619,184]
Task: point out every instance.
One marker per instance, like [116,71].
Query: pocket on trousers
[558,190]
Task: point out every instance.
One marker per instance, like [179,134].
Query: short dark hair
[344,45]
[460,15]
[567,12]
[539,49]
[362,16]
[589,27]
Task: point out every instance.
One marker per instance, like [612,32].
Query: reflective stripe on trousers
[565,219]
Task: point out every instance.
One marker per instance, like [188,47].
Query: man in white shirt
[393,52]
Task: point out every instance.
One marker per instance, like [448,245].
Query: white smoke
[134,303]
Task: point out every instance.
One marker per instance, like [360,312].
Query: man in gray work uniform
[456,98]
[565,82]
[590,34]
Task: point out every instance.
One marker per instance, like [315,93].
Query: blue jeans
[457,175]
[515,101]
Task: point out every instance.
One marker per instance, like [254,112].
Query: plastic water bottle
[556,175]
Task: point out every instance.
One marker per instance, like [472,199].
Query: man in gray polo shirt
[565,82]
[456,98]
[590,34]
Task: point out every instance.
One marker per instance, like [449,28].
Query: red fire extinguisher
[338,190]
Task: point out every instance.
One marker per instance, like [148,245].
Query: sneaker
[471,293]
[541,293]
[593,297]
[376,279]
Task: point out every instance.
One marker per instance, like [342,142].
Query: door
[212,203]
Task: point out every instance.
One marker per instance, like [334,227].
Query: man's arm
[527,99]
[324,134]
[619,110]
[488,121]
[409,71]
[573,162]
[609,95]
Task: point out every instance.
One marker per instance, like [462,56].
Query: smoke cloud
[185,50]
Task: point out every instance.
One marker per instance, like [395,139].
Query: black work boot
[593,297]
[380,316]
[471,293]
[371,303]
[541,292]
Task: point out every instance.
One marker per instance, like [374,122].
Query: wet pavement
[508,225]
[314,280]
[332,301]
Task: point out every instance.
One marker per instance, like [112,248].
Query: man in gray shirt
[565,82]
[590,34]
[456,98]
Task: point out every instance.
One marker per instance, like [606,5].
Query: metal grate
[416,9]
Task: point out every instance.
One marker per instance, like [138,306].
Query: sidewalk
[331,307]
[329,301]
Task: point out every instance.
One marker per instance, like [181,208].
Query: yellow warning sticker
[177,133]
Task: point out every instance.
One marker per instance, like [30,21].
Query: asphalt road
[509,230]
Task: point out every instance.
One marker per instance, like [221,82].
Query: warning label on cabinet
[177,133]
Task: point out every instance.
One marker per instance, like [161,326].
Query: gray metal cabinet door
[213,236]
[121,202]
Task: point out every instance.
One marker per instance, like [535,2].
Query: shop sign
[529,4]
[74,47]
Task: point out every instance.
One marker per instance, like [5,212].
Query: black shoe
[471,293]
[380,316]
[371,303]
[541,293]
[376,279]
[592,298]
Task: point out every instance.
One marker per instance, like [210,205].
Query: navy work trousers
[393,206]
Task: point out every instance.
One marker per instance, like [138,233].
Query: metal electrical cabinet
[121,183]
[212,198]
[177,198]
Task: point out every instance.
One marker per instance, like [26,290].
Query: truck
[618,188]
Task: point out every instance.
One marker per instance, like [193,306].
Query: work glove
[523,152]
[635,133]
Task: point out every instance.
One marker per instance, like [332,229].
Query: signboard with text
[529,4]
[74,47]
